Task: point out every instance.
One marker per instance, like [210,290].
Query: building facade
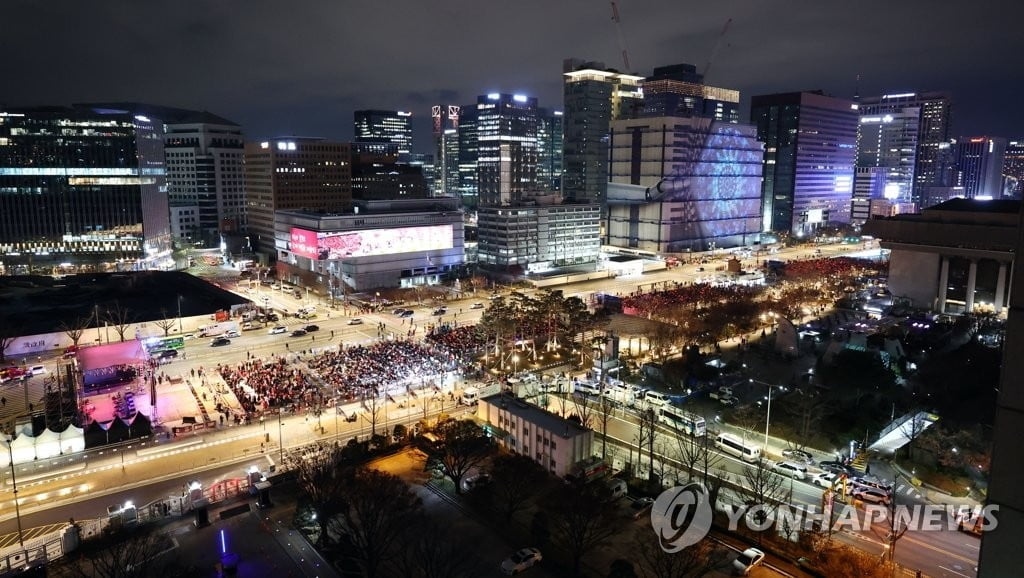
[683,184]
[549,150]
[594,95]
[206,169]
[446,149]
[978,162]
[468,150]
[886,156]
[292,173]
[934,123]
[392,126]
[386,243]
[377,174]
[556,443]
[1013,170]
[539,237]
[955,257]
[810,149]
[506,135]
[82,185]
[679,90]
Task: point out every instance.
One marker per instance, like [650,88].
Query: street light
[768,413]
[515,362]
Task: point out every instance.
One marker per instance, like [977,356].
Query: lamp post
[179,314]
[768,413]
[515,363]
[280,432]
[17,508]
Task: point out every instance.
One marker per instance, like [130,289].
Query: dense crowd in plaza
[463,342]
[356,369]
[646,304]
[836,266]
[274,383]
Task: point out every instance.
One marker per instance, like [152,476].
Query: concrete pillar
[972,277]
[1000,286]
[940,305]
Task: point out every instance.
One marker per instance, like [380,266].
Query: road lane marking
[954,571]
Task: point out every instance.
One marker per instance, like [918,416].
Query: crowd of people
[464,342]
[273,383]
[696,295]
[354,370]
[835,266]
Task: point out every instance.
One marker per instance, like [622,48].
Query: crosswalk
[908,490]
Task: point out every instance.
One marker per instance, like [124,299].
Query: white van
[735,446]
[588,387]
[618,488]
[792,470]
[655,398]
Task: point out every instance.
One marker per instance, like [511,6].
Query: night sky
[302,67]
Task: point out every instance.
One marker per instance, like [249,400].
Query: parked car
[824,479]
[312,328]
[278,330]
[406,313]
[869,482]
[476,481]
[477,305]
[747,561]
[355,321]
[798,455]
[298,333]
[220,341]
[399,311]
[273,317]
[792,470]
[232,334]
[837,467]
[871,495]
[640,507]
[521,560]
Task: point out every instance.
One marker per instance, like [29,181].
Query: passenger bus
[735,446]
[155,345]
[685,421]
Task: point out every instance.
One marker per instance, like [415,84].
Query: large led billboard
[344,244]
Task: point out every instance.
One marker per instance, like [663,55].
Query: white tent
[23,448]
[72,440]
[47,444]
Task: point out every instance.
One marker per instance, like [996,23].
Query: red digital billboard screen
[370,242]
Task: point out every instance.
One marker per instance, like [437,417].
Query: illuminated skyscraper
[393,126]
[446,149]
[810,149]
[934,109]
[679,90]
[594,95]
[978,162]
[506,140]
[82,185]
[886,153]
[294,173]
[549,150]
[1013,170]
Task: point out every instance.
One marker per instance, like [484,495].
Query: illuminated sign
[519,98]
[901,95]
[369,242]
[493,96]
[815,216]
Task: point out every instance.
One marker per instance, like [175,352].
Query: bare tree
[373,405]
[582,519]
[431,551]
[323,483]
[696,560]
[763,489]
[126,553]
[119,318]
[377,513]
[584,408]
[516,478]
[808,407]
[646,424]
[462,447]
[166,323]
[697,455]
[604,407]
[75,329]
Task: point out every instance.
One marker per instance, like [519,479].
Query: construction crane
[714,51]
[622,40]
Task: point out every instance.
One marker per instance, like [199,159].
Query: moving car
[399,311]
[220,341]
[440,311]
[795,471]
[871,496]
[406,313]
[232,333]
[837,467]
[278,330]
[477,305]
[298,333]
[640,507]
[168,353]
[355,321]
[521,560]
[824,479]
[37,369]
[312,328]
[747,560]
[798,455]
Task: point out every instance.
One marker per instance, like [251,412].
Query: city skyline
[304,75]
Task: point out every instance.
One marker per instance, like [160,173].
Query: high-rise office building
[886,153]
[683,184]
[205,170]
[377,174]
[978,166]
[393,126]
[935,110]
[679,90]
[446,149]
[293,173]
[1013,170]
[83,185]
[594,95]
[506,137]
[810,149]
[468,149]
[549,149]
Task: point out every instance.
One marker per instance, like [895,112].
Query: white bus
[734,446]
[685,421]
